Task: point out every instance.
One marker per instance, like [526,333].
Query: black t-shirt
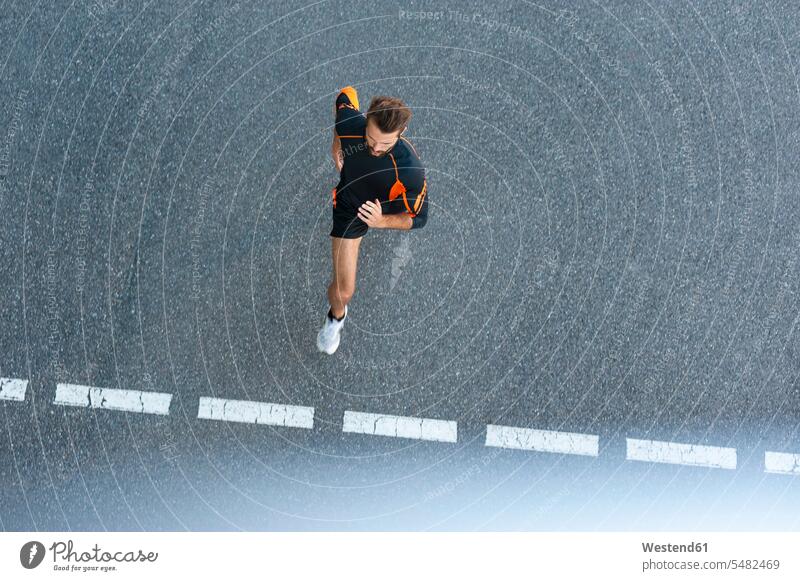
[396,179]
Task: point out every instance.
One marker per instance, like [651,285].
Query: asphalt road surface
[597,329]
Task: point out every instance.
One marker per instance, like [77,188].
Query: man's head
[387,118]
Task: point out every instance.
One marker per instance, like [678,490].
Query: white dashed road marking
[256,412]
[128,400]
[781,463]
[400,426]
[13,389]
[687,454]
[542,440]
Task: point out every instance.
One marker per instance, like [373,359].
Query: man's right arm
[346,99]
[347,122]
[336,152]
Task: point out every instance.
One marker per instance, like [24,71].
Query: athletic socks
[332,318]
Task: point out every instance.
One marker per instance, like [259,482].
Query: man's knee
[344,290]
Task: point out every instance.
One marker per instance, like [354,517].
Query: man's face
[378,142]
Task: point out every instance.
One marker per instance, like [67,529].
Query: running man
[381,185]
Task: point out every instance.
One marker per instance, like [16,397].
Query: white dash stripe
[256,412]
[675,453]
[128,400]
[13,389]
[781,463]
[542,440]
[400,426]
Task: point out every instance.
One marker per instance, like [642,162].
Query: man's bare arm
[400,221]
[336,152]
[370,212]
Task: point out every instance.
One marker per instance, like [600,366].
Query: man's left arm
[419,205]
[413,189]
[400,221]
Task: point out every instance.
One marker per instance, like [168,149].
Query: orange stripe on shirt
[411,144]
[408,208]
[421,196]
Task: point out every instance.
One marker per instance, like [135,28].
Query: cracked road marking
[13,389]
[256,412]
[400,426]
[542,440]
[781,463]
[127,400]
[687,454]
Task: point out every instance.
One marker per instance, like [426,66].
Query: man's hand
[371,213]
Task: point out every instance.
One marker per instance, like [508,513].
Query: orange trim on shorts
[334,197]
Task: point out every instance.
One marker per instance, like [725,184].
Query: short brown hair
[389,113]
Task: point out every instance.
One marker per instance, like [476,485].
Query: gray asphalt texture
[612,248]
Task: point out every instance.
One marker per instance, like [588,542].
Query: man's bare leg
[343,285]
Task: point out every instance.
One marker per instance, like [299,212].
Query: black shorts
[346,223]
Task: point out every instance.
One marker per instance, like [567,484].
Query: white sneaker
[328,337]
